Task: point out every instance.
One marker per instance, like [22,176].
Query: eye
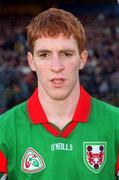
[43,55]
[67,54]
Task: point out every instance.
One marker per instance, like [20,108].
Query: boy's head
[53,22]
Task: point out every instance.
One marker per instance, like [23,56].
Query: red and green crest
[32,161]
[95,154]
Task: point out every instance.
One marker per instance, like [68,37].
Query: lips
[57,82]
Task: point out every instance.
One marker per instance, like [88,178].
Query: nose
[56,64]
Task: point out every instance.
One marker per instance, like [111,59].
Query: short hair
[52,22]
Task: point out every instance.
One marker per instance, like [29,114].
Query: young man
[61,132]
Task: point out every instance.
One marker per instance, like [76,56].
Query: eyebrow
[42,51]
[60,51]
[68,50]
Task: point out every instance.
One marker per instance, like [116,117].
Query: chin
[59,95]
[58,98]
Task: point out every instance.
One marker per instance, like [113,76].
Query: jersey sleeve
[117,143]
[3,163]
[117,168]
[3,147]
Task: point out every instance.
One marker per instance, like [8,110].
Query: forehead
[59,42]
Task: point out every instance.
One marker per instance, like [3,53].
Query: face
[57,62]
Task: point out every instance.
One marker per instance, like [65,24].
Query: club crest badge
[95,154]
[32,161]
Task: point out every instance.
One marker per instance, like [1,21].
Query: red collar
[37,114]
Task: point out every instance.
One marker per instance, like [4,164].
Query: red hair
[51,23]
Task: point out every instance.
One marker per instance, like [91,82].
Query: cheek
[74,68]
[42,73]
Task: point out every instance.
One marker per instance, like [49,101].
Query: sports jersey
[86,148]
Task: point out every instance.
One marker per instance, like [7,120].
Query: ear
[31,61]
[83,59]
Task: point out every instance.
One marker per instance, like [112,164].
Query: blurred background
[100,77]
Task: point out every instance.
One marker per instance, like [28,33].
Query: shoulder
[104,106]
[105,110]
[14,113]
[11,122]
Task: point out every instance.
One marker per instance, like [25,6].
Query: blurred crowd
[100,76]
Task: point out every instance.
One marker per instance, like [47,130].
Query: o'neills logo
[61,147]
[32,161]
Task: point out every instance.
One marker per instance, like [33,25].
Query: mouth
[57,82]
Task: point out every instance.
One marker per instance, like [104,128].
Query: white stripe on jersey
[4,177]
[118,173]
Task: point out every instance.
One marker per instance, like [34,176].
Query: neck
[60,112]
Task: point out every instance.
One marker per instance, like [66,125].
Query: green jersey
[87,148]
